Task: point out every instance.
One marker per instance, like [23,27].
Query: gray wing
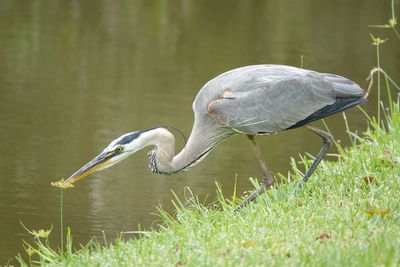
[272,106]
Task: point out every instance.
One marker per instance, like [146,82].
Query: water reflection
[76,74]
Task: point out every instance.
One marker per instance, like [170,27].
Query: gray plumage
[270,98]
[263,99]
[252,100]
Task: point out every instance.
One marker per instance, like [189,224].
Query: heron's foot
[267,184]
[268,180]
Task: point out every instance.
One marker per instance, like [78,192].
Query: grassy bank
[348,215]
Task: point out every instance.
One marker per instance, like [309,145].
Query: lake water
[76,74]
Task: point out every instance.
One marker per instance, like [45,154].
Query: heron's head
[119,149]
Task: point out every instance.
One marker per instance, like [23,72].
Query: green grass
[338,219]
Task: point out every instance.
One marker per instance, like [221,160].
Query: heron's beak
[99,162]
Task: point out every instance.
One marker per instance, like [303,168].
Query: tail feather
[339,105]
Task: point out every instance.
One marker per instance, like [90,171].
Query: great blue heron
[252,100]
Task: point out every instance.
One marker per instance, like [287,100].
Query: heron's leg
[327,139]
[268,180]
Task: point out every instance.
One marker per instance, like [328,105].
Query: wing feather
[264,106]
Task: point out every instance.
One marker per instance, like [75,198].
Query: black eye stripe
[127,139]
[132,136]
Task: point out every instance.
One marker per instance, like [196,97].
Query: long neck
[163,159]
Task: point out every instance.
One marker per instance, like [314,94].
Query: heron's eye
[119,149]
